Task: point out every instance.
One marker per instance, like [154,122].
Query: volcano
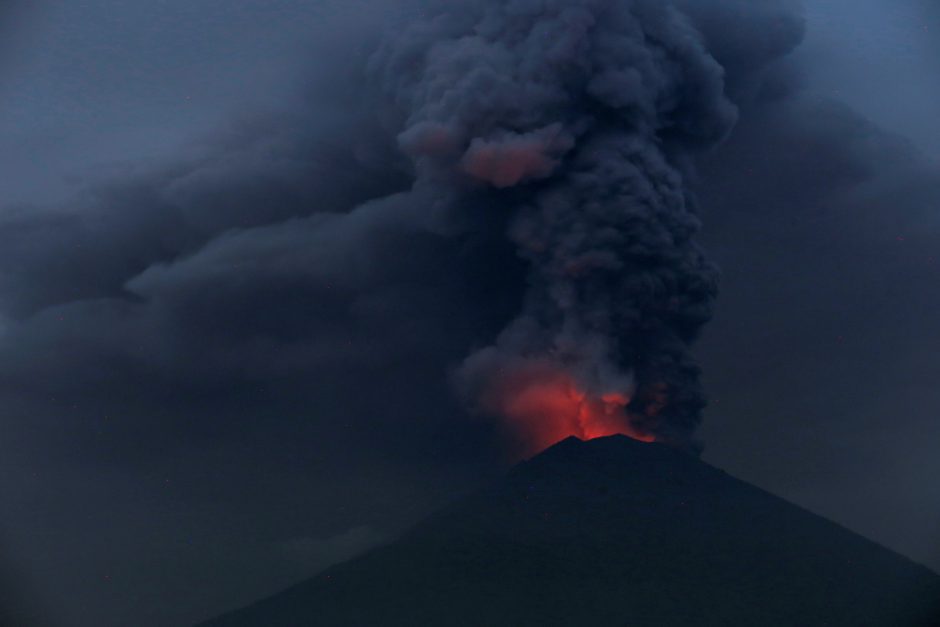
[613,531]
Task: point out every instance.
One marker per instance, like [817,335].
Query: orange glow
[544,407]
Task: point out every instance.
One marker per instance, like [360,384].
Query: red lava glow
[546,407]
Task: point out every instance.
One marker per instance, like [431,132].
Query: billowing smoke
[574,118]
[494,194]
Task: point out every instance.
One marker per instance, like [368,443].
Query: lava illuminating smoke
[543,406]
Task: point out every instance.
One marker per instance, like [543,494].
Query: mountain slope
[614,532]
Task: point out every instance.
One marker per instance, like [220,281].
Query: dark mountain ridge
[613,531]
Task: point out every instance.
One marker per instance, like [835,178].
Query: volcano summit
[614,531]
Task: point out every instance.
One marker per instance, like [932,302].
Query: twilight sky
[208,394]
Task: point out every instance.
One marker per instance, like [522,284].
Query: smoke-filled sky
[257,263]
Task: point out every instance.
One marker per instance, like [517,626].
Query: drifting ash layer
[614,532]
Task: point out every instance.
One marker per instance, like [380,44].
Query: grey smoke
[582,116]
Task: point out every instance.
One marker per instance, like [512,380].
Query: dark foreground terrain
[614,532]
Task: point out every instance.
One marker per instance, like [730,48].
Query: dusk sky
[215,383]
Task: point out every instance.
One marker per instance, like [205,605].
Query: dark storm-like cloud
[259,172]
[746,37]
[288,245]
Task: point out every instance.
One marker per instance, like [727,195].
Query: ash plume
[578,117]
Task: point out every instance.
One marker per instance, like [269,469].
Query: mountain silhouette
[614,532]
